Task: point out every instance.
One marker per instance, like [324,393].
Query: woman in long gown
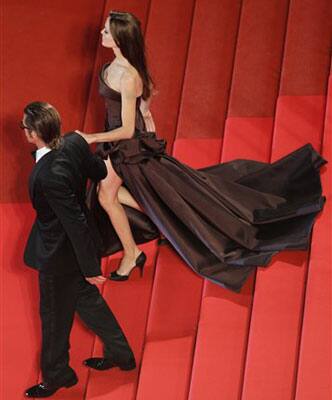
[223,220]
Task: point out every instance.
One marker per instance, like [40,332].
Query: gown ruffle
[223,220]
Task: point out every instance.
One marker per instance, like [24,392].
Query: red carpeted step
[171,330]
[299,120]
[20,333]
[130,301]
[259,54]
[221,343]
[279,293]
[166,369]
[225,316]
[314,371]
[167,43]
[275,328]
[208,71]
[280,289]
[197,153]
[248,138]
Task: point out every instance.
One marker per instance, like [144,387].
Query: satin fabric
[223,220]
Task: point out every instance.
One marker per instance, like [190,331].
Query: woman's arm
[128,114]
[147,116]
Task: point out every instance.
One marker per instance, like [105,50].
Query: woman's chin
[106,45]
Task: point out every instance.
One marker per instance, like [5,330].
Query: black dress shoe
[139,263]
[101,364]
[45,390]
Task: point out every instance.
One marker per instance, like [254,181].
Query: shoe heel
[141,270]
[140,262]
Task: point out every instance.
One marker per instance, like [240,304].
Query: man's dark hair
[45,120]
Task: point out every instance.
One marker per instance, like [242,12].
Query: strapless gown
[223,220]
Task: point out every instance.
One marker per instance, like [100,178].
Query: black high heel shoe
[140,262]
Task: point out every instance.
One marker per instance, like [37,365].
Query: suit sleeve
[66,207]
[96,168]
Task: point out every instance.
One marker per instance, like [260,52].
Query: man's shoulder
[53,165]
[43,169]
[66,160]
[74,148]
[75,138]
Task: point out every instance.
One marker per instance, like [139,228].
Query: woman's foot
[128,262]
[139,262]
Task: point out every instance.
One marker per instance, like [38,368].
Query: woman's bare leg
[108,198]
[125,198]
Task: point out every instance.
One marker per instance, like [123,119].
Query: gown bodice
[113,106]
[142,145]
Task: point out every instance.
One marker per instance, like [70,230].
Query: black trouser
[60,297]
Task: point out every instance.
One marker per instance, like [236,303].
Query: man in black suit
[63,245]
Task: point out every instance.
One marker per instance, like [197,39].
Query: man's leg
[96,314]
[58,297]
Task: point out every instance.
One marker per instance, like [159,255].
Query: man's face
[30,135]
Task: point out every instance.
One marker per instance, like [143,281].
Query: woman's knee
[107,196]
[109,187]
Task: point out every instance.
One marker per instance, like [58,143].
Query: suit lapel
[33,176]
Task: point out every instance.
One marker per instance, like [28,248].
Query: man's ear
[32,136]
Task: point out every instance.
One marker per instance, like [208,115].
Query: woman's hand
[149,122]
[87,137]
[147,116]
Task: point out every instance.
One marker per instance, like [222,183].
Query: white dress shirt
[41,152]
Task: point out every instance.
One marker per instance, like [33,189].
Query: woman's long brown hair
[127,34]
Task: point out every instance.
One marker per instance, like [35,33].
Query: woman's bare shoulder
[130,79]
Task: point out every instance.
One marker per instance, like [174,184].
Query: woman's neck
[119,58]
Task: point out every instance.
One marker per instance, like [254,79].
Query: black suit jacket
[63,238]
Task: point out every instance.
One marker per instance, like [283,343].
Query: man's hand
[96,280]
